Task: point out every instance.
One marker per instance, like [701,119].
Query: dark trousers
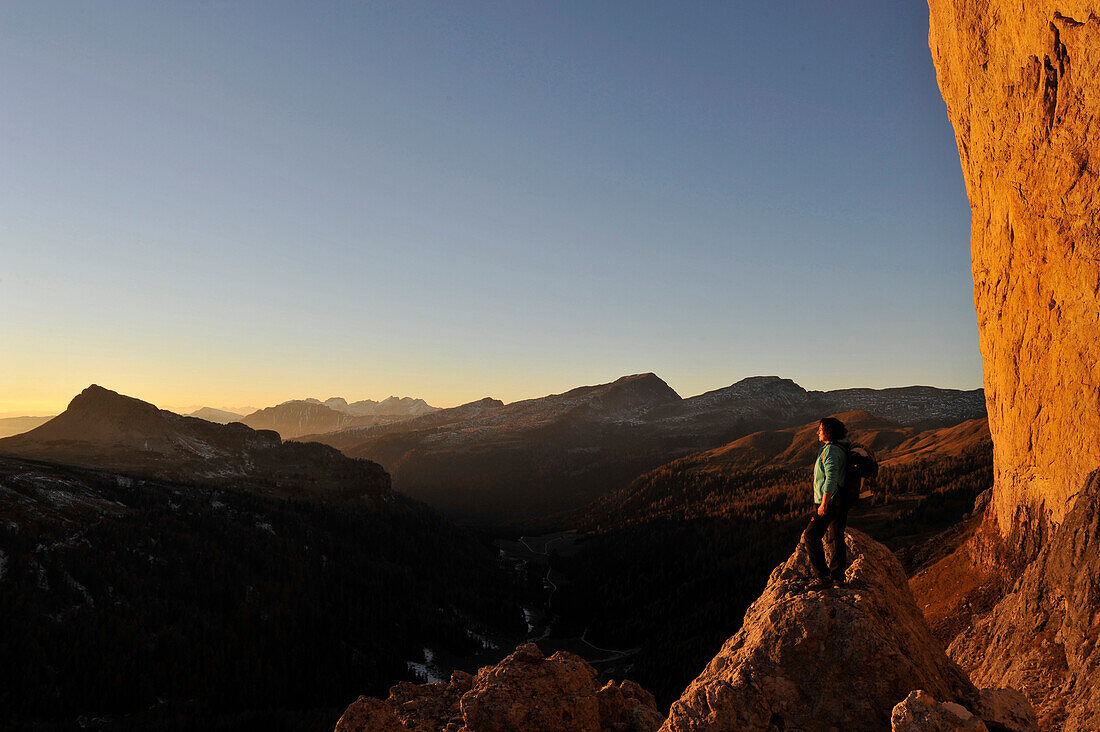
[834,521]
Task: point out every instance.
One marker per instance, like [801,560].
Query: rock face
[829,659]
[525,691]
[1022,87]
[1043,636]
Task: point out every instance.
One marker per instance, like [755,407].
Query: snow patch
[197,447]
[428,671]
[529,617]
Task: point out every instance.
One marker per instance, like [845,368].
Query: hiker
[830,507]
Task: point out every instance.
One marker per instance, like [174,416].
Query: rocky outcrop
[1043,636]
[828,659]
[998,709]
[1022,87]
[920,712]
[525,691]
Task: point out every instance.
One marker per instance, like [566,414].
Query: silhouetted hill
[106,430]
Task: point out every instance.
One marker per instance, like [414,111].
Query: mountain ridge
[487,461]
[298,417]
[107,430]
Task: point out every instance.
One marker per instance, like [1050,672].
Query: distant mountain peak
[104,401]
[217,416]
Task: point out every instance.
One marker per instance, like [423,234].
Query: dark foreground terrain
[140,604]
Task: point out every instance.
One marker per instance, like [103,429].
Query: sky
[239,203]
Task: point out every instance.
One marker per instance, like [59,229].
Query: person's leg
[836,534]
[812,538]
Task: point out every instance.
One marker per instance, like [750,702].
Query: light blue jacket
[829,469]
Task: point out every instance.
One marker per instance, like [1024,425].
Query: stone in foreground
[920,712]
[1003,710]
[525,691]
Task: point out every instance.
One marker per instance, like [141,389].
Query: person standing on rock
[830,510]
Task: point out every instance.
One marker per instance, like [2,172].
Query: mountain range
[310,416]
[487,462]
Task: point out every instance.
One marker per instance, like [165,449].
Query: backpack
[860,470]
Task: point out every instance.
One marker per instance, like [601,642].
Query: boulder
[823,659]
[920,712]
[626,706]
[369,715]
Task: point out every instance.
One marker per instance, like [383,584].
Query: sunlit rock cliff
[1022,85]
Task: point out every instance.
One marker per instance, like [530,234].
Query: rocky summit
[525,691]
[838,658]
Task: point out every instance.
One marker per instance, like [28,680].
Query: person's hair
[834,428]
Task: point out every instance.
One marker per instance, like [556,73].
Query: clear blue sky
[235,203]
